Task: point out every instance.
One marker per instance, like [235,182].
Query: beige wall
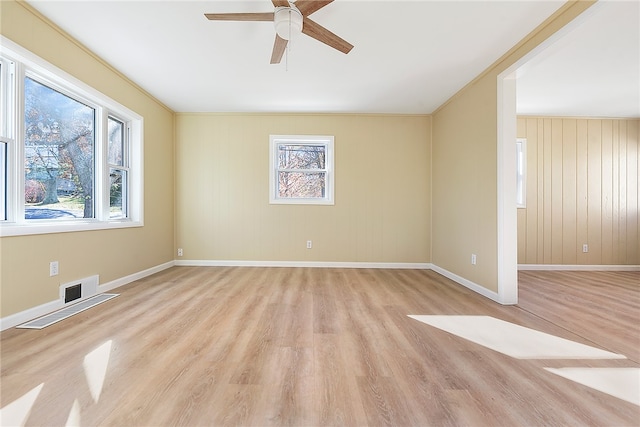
[464,179]
[113,254]
[582,187]
[382,190]
[464,186]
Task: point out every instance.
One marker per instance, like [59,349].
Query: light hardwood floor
[317,347]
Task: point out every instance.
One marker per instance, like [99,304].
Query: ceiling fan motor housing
[288,21]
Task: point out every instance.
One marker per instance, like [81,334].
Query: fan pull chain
[286,60]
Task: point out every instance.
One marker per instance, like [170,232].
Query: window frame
[521,173]
[325,140]
[6,136]
[4,150]
[124,167]
[26,64]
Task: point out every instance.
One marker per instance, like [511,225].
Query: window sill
[292,201]
[7,229]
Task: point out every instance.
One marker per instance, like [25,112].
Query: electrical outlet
[585,248]
[53,268]
[309,244]
[179,251]
[473,259]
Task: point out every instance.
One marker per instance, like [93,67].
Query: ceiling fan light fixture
[288,22]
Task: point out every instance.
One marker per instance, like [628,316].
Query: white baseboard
[46,308]
[467,283]
[30,314]
[568,267]
[313,264]
[133,277]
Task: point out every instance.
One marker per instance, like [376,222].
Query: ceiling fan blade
[279,45]
[279,3]
[318,32]
[307,7]
[267,16]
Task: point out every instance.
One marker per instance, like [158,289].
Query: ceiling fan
[290,19]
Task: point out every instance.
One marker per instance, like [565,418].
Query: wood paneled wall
[582,188]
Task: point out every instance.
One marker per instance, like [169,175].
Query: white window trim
[125,167]
[16,225]
[5,143]
[7,136]
[521,150]
[325,140]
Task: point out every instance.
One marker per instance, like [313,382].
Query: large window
[71,157]
[301,169]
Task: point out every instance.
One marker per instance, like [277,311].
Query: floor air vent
[72,293]
[56,316]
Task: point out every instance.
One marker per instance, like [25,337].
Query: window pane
[301,185]
[301,156]
[59,154]
[116,142]
[117,193]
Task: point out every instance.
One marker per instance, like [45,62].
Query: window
[118,170]
[521,172]
[301,169]
[71,157]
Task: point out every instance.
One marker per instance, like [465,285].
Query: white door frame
[507,213]
[507,237]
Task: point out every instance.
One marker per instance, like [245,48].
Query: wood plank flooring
[603,306]
[199,346]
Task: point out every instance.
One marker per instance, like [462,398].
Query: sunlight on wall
[623,383]
[95,368]
[17,412]
[514,340]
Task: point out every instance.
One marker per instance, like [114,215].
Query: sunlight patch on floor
[74,415]
[17,412]
[514,340]
[95,368]
[623,383]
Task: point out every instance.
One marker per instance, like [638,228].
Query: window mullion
[126,163]
[302,170]
[101,205]
[15,169]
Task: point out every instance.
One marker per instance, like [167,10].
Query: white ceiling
[409,56]
[592,70]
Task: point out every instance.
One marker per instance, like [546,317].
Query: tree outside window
[58,154]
